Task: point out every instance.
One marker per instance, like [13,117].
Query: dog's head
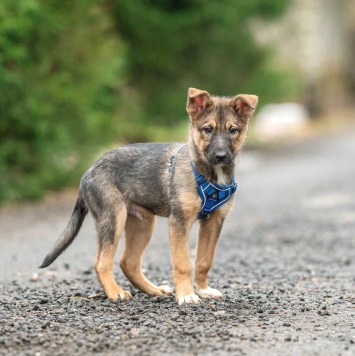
[219,124]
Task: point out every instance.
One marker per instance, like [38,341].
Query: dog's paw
[125,295]
[120,295]
[166,289]
[189,299]
[209,293]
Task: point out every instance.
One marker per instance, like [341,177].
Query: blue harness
[213,195]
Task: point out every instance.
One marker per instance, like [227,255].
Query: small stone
[46,325]
[219,312]
[135,331]
[80,343]
[34,277]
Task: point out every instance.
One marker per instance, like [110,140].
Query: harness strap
[172,159]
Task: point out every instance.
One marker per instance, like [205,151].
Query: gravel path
[285,264]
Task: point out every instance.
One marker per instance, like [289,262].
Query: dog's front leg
[207,240]
[179,243]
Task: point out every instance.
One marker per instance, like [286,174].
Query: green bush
[60,65]
[75,75]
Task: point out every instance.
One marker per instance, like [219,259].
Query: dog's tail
[70,232]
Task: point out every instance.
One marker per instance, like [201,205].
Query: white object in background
[275,120]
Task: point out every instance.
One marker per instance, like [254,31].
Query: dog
[129,186]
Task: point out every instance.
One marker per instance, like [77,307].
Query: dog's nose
[221,156]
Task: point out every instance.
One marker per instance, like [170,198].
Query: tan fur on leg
[180,256]
[138,233]
[207,240]
[105,258]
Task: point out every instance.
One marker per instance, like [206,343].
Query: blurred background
[80,76]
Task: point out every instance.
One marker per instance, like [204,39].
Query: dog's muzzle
[219,157]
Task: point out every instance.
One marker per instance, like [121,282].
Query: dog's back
[138,171]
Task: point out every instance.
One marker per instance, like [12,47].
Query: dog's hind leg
[139,228]
[109,226]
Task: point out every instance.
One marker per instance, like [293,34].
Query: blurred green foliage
[75,75]
[59,70]
[176,44]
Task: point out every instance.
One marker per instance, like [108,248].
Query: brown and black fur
[128,186]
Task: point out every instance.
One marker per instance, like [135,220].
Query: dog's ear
[244,105]
[197,101]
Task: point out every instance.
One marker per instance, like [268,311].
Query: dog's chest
[222,178]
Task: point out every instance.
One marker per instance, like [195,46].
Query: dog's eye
[207,129]
[233,130]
